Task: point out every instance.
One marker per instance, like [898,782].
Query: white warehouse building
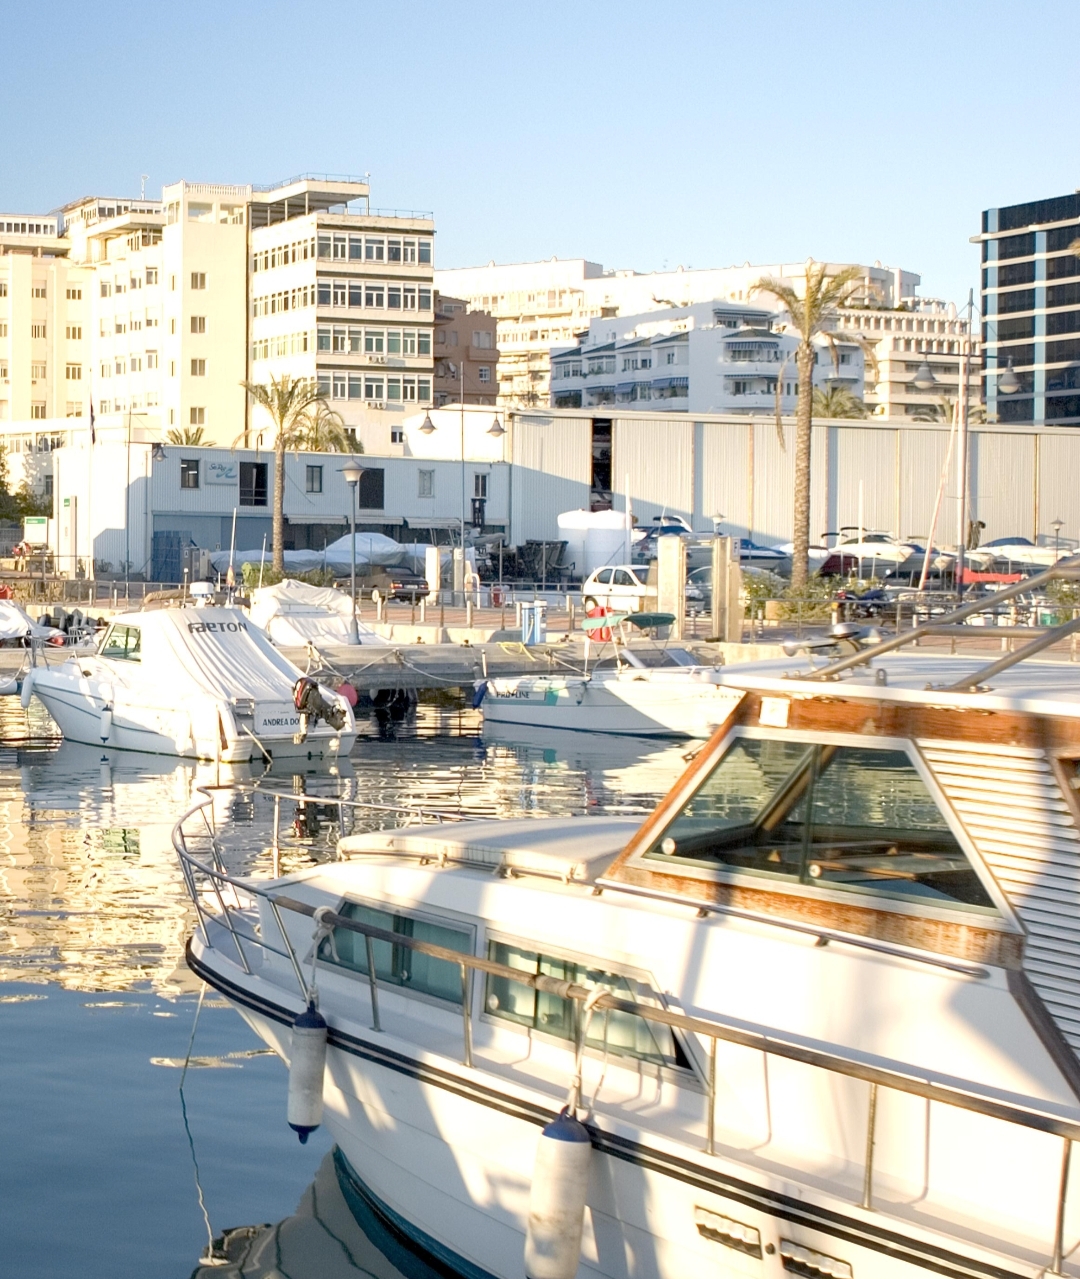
[713,357]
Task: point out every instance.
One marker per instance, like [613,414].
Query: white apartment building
[540,305]
[344,296]
[152,313]
[712,357]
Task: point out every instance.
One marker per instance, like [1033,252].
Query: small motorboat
[647,690]
[817,1014]
[203,683]
[1008,551]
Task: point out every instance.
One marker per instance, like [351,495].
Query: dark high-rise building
[1031,310]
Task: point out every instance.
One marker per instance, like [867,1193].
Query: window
[200,213]
[38,372]
[425,299]
[323,338]
[423,342]
[37,330]
[397,435]
[374,340]
[74,408]
[426,484]
[374,251]
[106,289]
[340,386]
[253,483]
[369,492]
[373,388]
[341,246]
[621,1034]
[393,250]
[198,324]
[38,291]
[198,368]
[853,819]
[151,275]
[74,295]
[326,292]
[325,246]
[408,342]
[341,341]
[198,279]
[482,340]
[480,483]
[123,642]
[74,372]
[341,293]
[424,248]
[37,411]
[398,965]
[151,360]
[74,333]
[189,473]
[483,373]
[356,386]
[197,416]
[374,295]
[313,480]
[356,293]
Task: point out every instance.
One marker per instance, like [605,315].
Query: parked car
[373,582]
[622,588]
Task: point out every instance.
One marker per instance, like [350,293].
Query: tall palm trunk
[800,558]
[279,503]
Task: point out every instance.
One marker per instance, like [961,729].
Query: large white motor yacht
[202,683]
[820,1013]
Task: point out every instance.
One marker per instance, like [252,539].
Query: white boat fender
[480,689]
[307,1065]
[557,1199]
[105,722]
[27,690]
[9,687]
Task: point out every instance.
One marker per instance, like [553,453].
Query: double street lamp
[352,473]
[924,380]
[495,430]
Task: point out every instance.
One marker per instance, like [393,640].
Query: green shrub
[271,577]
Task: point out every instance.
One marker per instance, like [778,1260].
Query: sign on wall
[36,530]
[222,472]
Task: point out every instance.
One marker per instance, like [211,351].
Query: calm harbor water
[107,1168]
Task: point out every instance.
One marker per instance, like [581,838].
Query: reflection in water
[332,1235]
[93,923]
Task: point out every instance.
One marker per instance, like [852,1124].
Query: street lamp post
[352,473]
[1057,526]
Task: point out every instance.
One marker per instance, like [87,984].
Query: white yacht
[819,1014]
[202,683]
[651,690]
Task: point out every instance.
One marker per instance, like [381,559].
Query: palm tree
[185,435]
[290,403]
[838,402]
[812,316]
[324,431]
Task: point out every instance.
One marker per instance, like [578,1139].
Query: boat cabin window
[398,965]
[626,1035]
[123,642]
[842,817]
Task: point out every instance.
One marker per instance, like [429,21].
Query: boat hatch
[573,850]
[854,818]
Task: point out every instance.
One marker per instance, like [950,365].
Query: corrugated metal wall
[552,473]
[724,477]
[866,462]
[1002,483]
[658,457]
[1059,483]
[922,455]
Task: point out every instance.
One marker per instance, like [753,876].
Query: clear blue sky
[638,135]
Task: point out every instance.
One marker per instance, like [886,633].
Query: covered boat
[818,1015]
[293,614]
[201,683]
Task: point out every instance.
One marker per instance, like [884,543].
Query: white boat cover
[371,548]
[216,651]
[294,613]
[15,622]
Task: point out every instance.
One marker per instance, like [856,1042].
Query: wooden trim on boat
[972,942]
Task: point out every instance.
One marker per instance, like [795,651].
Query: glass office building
[1031,310]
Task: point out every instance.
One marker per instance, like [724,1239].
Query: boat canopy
[191,651]
[647,621]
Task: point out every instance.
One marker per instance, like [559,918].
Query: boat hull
[624,705]
[447,1154]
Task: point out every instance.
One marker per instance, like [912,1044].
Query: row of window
[403,342]
[372,293]
[373,387]
[135,364]
[618,1033]
[40,291]
[136,403]
[190,469]
[374,248]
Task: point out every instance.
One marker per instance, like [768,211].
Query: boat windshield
[839,817]
[648,659]
[122,641]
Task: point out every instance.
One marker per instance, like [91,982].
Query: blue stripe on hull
[410,1249]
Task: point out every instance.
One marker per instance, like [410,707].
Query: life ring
[603,635]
